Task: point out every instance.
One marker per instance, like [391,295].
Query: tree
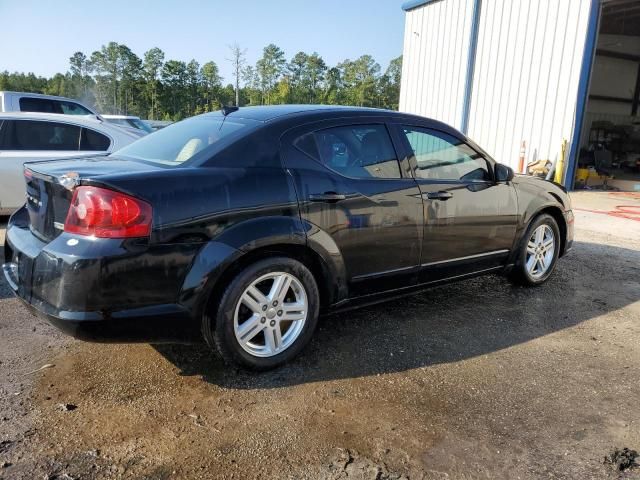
[60,85]
[389,84]
[115,80]
[360,79]
[153,61]
[81,68]
[296,69]
[269,68]
[193,80]
[108,66]
[252,85]
[314,71]
[333,91]
[211,82]
[237,60]
[174,80]
[131,71]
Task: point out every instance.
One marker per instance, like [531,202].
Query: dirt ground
[478,379]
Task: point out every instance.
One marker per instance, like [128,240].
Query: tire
[533,250]
[260,324]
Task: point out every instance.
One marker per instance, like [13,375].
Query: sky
[39,36]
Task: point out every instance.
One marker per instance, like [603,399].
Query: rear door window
[357,151]
[43,105]
[38,135]
[94,141]
[72,108]
[48,105]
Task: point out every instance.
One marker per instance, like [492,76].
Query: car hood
[539,182]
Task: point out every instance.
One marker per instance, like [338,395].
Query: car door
[470,220]
[350,187]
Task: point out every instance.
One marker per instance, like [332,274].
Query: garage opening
[609,156]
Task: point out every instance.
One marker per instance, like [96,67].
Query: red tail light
[107,214]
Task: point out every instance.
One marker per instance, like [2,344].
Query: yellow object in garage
[582,174]
[557,177]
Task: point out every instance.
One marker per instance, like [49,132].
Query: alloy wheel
[270,314]
[540,251]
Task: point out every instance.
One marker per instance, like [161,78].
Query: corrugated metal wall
[528,61]
[436,41]
[527,72]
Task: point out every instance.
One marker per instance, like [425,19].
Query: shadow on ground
[442,325]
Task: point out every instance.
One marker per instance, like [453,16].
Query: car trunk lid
[50,184]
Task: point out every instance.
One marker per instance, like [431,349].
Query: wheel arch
[558,216]
[220,260]
[305,255]
[554,211]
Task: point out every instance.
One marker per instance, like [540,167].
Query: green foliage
[115,80]
[270,68]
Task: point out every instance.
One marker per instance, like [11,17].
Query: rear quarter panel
[215,215]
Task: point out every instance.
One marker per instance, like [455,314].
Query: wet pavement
[478,379]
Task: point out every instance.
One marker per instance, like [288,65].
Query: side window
[37,135]
[359,151]
[44,105]
[94,141]
[72,108]
[444,157]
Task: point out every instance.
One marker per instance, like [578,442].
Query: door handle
[329,197]
[439,195]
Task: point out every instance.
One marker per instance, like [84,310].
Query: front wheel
[538,252]
[266,315]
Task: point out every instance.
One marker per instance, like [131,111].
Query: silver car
[26,136]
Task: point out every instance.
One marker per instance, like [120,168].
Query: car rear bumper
[76,293]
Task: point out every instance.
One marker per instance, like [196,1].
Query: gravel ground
[478,379]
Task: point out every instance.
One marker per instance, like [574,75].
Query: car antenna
[227,109]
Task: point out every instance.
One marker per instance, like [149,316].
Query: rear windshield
[195,138]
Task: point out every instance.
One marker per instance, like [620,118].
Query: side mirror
[503,173]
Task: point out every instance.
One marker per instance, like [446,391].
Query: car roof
[266,113]
[39,95]
[54,117]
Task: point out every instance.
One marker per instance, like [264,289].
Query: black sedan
[242,226]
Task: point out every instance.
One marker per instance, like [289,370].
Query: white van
[35,102]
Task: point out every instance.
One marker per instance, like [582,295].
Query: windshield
[140,124]
[182,141]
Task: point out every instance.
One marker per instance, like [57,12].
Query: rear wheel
[538,252]
[266,315]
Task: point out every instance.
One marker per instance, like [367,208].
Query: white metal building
[511,71]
